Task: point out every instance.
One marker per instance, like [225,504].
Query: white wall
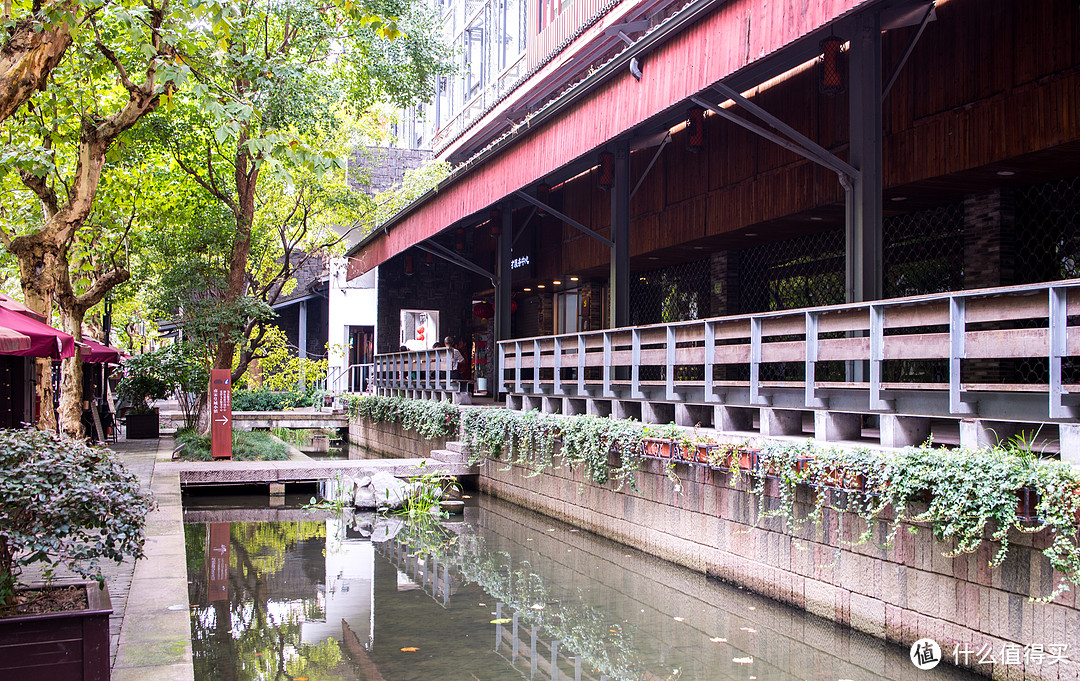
[351,303]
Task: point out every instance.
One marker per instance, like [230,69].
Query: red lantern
[695,128]
[513,306]
[832,68]
[606,175]
[483,310]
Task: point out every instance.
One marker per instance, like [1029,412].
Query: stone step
[458,447]
[448,456]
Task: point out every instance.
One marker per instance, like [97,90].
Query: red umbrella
[13,341]
[99,353]
[9,303]
[45,341]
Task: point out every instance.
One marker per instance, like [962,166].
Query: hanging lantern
[460,244]
[483,310]
[543,193]
[408,265]
[496,224]
[429,259]
[695,129]
[606,175]
[513,306]
[832,68]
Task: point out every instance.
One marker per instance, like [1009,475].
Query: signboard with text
[221,413]
[217,561]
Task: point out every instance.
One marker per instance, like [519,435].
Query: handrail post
[877,359]
[580,365]
[710,361]
[635,364]
[501,380]
[536,368]
[810,343]
[669,363]
[517,367]
[756,398]
[556,362]
[957,338]
[607,365]
[1058,349]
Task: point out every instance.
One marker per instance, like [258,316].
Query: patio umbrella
[13,341]
[99,353]
[9,303]
[45,341]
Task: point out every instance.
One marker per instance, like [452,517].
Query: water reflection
[504,594]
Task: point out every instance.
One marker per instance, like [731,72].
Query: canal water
[499,593]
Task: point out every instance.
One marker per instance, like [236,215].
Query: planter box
[142,426]
[657,448]
[1027,504]
[59,646]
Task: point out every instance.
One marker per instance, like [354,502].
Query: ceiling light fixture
[573,278]
[539,286]
[527,289]
[1006,173]
[817,219]
[557,282]
[898,198]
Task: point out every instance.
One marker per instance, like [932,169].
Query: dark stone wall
[377,169]
[440,286]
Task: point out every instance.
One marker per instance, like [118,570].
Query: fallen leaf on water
[614,631]
[678,619]
[258,653]
[751,608]
[465,496]
[482,605]
[501,620]
[410,649]
[752,631]
[550,529]
[717,639]
[538,606]
[743,660]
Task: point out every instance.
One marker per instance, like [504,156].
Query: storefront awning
[99,353]
[45,341]
[12,341]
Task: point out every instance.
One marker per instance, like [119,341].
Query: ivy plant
[429,418]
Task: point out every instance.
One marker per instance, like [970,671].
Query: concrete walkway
[155,636]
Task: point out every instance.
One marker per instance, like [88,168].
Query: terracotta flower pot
[657,448]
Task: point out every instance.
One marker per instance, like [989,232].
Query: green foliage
[281,367]
[64,503]
[606,449]
[429,489]
[429,418]
[175,370]
[270,400]
[247,446]
[966,497]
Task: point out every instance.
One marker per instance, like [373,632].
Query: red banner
[221,413]
[217,561]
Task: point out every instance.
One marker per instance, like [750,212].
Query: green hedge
[247,446]
[269,400]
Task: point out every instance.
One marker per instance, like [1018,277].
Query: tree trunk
[27,58]
[37,272]
[71,381]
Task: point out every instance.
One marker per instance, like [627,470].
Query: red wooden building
[659,163]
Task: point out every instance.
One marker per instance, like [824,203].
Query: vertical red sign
[221,413]
[217,561]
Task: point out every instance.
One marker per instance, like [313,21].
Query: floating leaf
[717,639]
[501,620]
[538,606]
[679,619]
[410,649]
[743,660]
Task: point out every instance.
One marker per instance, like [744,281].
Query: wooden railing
[416,370]
[1012,323]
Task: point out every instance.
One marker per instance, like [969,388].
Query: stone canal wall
[902,594]
[390,440]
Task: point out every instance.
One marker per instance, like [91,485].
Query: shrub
[247,446]
[270,400]
[63,503]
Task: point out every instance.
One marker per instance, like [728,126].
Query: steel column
[504,285]
[864,251]
[620,235]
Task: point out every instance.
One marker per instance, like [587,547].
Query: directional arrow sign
[220,413]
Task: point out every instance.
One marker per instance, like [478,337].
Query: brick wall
[903,594]
[989,228]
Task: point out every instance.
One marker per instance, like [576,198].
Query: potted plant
[141,384]
[62,504]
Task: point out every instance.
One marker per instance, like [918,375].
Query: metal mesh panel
[1047,249]
[671,294]
[802,272]
[1047,234]
[921,251]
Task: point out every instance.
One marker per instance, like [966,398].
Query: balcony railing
[691,363]
[423,370]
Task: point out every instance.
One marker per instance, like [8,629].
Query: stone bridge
[252,420]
